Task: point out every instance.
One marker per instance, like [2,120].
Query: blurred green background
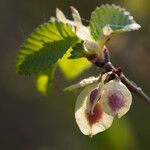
[30,121]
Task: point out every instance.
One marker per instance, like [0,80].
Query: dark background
[30,121]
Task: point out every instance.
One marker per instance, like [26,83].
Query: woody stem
[108,66]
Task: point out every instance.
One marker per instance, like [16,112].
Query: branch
[135,89]
[107,66]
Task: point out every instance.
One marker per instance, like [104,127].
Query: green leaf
[73,67]
[117,20]
[44,46]
[44,81]
[77,51]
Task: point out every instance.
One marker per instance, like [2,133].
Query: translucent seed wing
[116,99]
[90,124]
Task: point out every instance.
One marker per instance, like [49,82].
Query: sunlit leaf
[110,19]
[44,46]
[44,81]
[73,67]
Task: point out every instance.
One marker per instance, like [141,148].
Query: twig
[107,65]
[135,89]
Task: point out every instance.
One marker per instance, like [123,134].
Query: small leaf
[60,16]
[82,83]
[110,19]
[44,81]
[76,15]
[44,46]
[73,67]
[93,47]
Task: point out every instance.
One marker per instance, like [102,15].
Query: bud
[107,30]
[91,123]
[83,32]
[116,99]
[93,48]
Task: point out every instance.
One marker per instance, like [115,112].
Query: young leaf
[73,67]
[60,16]
[44,46]
[44,81]
[110,19]
[76,15]
[83,83]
